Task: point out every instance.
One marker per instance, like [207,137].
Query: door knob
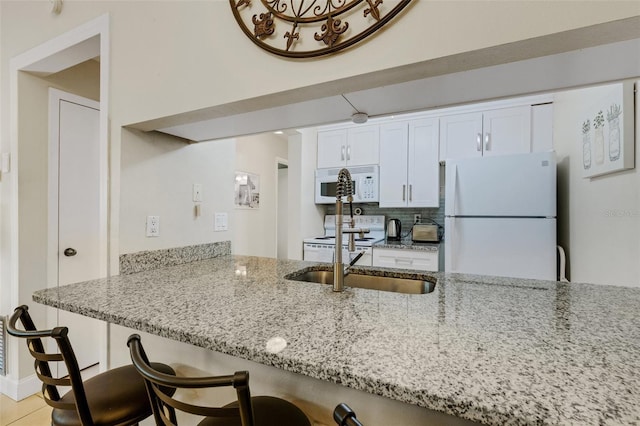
[70,252]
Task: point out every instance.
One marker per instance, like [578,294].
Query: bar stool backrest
[164,404]
[43,369]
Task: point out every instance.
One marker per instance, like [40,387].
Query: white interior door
[75,209]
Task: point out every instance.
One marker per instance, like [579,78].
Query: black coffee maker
[394,230]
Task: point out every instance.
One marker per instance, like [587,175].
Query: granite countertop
[493,350]
[407,244]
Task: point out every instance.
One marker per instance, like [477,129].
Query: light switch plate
[197,192]
[221,222]
[5,165]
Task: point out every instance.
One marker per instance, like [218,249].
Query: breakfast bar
[490,350]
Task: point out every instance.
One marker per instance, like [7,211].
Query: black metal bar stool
[115,397]
[345,416]
[246,411]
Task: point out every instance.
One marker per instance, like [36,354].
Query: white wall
[283,214]
[602,247]
[255,230]
[196,56]
[306,217]
[158,173]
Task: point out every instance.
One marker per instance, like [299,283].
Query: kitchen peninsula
[491,350]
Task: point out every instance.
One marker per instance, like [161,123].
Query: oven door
[325,253]
[318,252]
[365,260]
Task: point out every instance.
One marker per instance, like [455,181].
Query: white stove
[322,249]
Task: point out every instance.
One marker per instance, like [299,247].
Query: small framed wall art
[606,129]
[247,191]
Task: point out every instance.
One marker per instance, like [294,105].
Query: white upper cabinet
[507,131]
[494,132]
[424,168]
[460,136]
[542,127]
[394,153]
[332,145]
[355,146]
[409,167]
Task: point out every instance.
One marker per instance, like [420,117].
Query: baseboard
[20,389]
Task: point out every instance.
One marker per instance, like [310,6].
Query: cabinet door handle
[348,152]
[410,192]
[404,191]
[479,142]
[487,139]
[342,153]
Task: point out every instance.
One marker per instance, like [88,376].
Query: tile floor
[31,411]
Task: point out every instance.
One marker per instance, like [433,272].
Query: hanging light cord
[345,98]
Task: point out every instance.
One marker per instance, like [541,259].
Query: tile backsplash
[404,214]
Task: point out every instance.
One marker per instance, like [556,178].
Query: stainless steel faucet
[344,188]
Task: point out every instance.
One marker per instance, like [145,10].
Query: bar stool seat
[267,410]
[114,398]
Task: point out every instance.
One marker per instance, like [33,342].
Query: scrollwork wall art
[309,28]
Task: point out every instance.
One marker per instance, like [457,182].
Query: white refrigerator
[500,216]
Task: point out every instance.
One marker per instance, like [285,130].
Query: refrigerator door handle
[487,139]
[479,142]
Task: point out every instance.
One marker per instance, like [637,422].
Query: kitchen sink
[371,282]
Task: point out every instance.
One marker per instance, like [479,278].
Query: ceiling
[541,65]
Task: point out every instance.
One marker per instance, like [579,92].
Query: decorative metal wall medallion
[308,28]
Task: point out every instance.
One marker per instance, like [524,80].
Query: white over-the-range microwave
[363,178]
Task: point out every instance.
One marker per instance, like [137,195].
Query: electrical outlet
[153,226]
[417,218]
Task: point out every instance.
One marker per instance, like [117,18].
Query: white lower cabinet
[405,259]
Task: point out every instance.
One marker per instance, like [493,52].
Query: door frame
[71,48]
